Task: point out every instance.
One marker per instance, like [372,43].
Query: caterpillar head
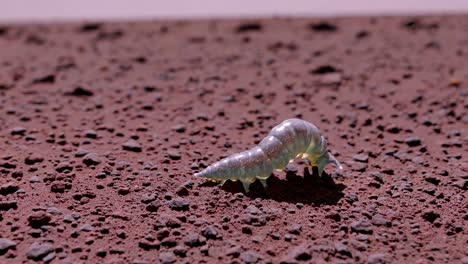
[326,159]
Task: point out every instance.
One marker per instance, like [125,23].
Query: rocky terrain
[103,124]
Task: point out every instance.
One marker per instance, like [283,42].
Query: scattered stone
[210,232]
[377,258]
[90,134]
[430,215]
[79,92]
[8,188]
[432,179]
[54,211]
[35,179]
[33,159]
[342,249]
[7,205]
[86,228]
[60,186]
[295,229]
[179,128]
[5,245]
[81,152]
[38,251]
[91,159]
[462,184]
[194,240]
[300,253]
[413,141]
[180,251]
[234,251]
[361,158]
[362,226]
[377,176]
[18,131]
[182,191]
[167,257]
[64,167]
[38,219]
[379,220]
[149,245]
[179,204]
[132,145]
[250,256]
[148,198]
[173,154]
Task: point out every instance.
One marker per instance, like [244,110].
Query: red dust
[103,125]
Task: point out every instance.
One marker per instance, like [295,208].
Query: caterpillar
[292,138]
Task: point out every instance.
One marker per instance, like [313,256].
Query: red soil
[103,125]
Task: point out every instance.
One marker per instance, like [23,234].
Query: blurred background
[58,10]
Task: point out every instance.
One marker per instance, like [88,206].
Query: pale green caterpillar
[291,139]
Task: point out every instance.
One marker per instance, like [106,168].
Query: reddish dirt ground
[103,125]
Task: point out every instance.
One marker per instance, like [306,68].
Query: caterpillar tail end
[203,174]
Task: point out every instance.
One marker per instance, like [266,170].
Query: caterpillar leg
[263,181]
[246,183]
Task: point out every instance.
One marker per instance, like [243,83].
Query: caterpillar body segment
[293,138]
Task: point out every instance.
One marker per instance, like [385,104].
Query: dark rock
[64,167]
[163,233]
[300,253]
[377,176]
[50,78]
[342,249]
[182,191]
[413,141]
[295,229]
[180,251]
[90,134]
[179,128]
[60,186]
[432,179]
[132,145]
[194,240]
[81,152]
[430,215]
[18,131]
[173,154]
[33,159]
[91,159]
[249,27]
[79,92]
[323,27]
[38,219]
[8,188]
[324,69]
[7,205]
[234,251]
[148,245]
[179,204]
[210,232]
[462,184]
[148,198]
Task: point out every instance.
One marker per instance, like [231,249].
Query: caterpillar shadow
[308,188]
